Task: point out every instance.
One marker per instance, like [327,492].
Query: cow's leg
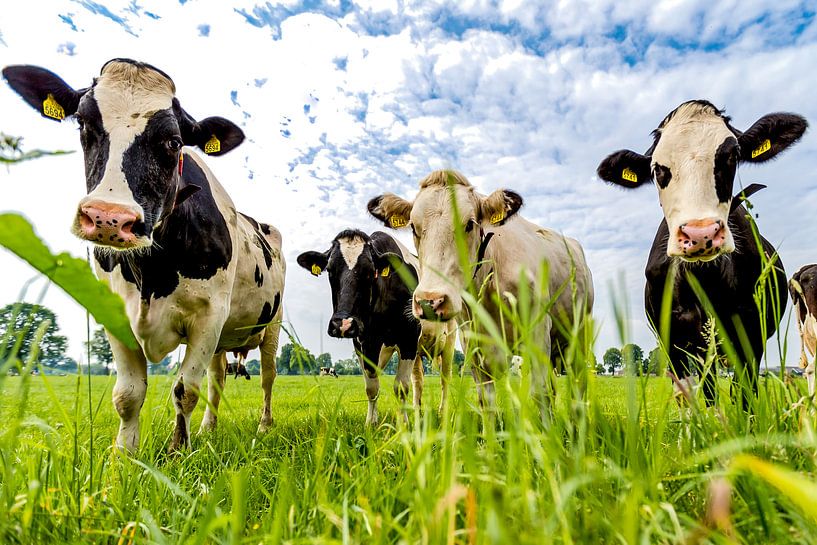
[128,392]
[401,379]
[446,363]
[215,385]
[269,346]
[417,375]
[201,347]
[371,374]
[542,383]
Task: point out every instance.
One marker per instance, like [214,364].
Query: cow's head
[803,289]
[132,130]
[693,160]
[433,223]
[354,266]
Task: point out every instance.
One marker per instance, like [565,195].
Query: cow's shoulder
[383,242]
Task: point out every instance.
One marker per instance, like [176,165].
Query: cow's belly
[161,325]
[809,333]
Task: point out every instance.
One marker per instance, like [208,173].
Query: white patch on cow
[350,249]
[687,147]
[127,95]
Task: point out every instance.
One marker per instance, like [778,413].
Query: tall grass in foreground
[616,462]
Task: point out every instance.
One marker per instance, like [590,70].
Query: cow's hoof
[208,425]
[264,425]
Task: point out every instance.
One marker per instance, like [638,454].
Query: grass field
[625,467]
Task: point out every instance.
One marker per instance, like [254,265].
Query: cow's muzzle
[431,306]
[700,240]
[109,224]
[344,327]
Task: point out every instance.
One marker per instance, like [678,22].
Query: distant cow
[237,369]
[803,288]
[371,304]
[168,239]
[707,233]
[509,245]
[328,372]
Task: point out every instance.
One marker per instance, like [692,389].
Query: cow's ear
[45,91]
[499,206]
[213,135]
[392,210]
[625,168]
[386,263]
[314,262]
[770,135]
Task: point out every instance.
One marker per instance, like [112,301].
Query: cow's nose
[108,224]
[343,327]
[431,306]
[701,236]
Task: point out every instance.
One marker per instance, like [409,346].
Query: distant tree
[459,361]
[324,360]
[253,366]
[284,358]
[18,325]
[633,357]
[100,349]
[295,359]
[654,361]
[349,366]
[599,368]
[391,367]
[612,360]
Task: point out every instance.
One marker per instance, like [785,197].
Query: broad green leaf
[72,274]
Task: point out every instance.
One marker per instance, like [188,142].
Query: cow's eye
[469,225]
[174,144]
[80,121]
[413,230]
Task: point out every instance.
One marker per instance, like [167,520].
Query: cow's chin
[134,244]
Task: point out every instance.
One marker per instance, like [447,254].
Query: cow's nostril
[126,227]
[85,221]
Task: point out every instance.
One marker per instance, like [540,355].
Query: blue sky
[344,100]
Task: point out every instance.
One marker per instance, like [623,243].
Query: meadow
[624,466]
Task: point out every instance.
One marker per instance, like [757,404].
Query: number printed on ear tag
[316,270]
[496,218]
[629,175]
[762,148]
[397,221]
[385,272]
[213,145]
[52,108]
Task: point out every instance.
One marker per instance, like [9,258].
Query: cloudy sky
[344,100]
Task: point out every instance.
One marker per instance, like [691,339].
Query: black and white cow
[707,233]
[803,288]
[328,372]
[168,239]
[371,304]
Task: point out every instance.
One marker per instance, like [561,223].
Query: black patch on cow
[260,241]
[805,298]
[193,241]
[265,228]
[178,391]
[267,314]
[726,164]
[95,141]
[150,167]
[259,277]
[662,175]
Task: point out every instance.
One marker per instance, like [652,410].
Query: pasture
[625,466]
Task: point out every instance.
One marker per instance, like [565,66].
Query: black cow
[707,233]
[371,304]
[803,288]
[168,239]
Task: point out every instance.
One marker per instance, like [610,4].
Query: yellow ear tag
[316,270]
[496,218]
[629,175]
[397,221]
[386,271]
[52,109]
[213,145]
[762,148]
